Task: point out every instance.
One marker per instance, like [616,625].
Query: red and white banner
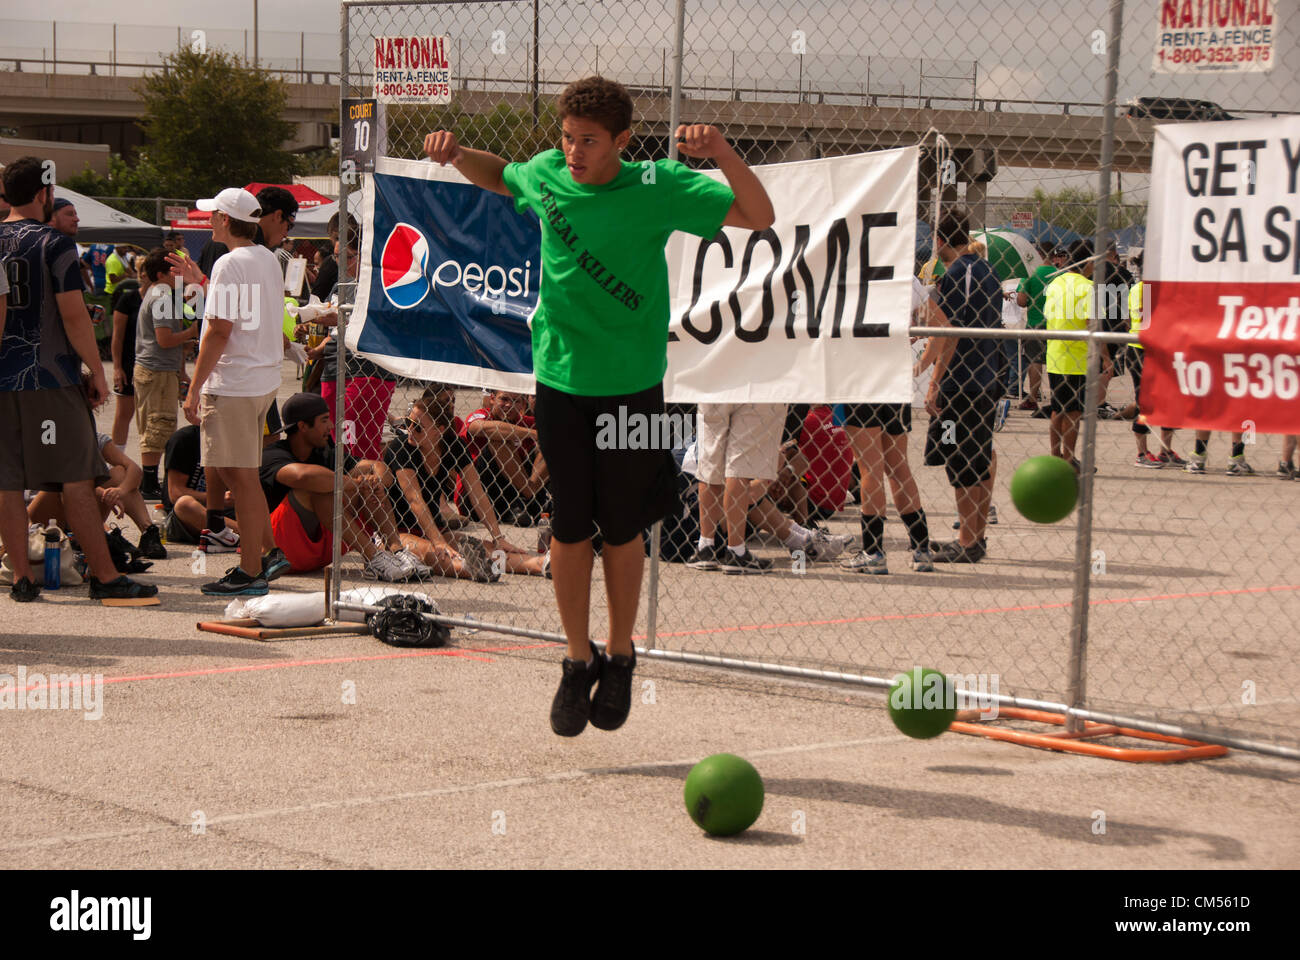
[1222,324]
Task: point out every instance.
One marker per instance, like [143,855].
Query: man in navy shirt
[967,382]
[47,433]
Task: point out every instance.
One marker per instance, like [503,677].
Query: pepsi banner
[449,279]
[816,308]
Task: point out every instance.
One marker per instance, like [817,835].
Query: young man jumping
[599,339]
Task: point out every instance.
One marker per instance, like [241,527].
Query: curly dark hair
[607,102]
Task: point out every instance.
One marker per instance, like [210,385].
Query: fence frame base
[973,723]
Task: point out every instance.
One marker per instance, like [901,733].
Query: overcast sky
[1032,50]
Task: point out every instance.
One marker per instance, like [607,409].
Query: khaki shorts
[157,392]
[47,439]
[739,440]
[230,429]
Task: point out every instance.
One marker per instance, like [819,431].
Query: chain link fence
[1166,599]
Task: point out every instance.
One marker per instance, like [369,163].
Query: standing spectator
[368,388]
[125,306]
[878,432]
[64,218]
[1115,319]
[1030,295]
[235,379]
[1068,306]
[1237,465]
[116,267]
[328,274]
[966,383]
[95,257]
[739,443]
[1140,429]
[47,337]
[161,336]
[279,213]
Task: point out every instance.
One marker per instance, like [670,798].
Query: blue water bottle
[52,556]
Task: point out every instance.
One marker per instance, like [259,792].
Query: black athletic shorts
[894,418]
[621,490]
[1067,391]
[966,442]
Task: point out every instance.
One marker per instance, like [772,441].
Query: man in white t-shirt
[235,379]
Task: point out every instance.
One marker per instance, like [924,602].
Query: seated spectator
[298,478]
[817,466]
[118,495]
[185,488]
[426,460]
[503,444]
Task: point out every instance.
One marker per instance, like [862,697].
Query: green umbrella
[1011,255]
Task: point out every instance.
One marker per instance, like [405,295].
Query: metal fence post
[675,99]
[1077,685]
[340,331]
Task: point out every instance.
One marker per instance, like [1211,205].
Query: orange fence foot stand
[979,724]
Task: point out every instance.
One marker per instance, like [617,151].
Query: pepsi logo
[402,267]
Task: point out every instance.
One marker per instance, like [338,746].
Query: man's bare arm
[479,167]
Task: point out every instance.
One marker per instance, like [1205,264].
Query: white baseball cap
[235,202]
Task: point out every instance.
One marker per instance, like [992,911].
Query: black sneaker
[733,563]
[705,558]
[151,545]
[1042,413]
[954,552]
[236,583]
[274,565]
[123,588]
[150,488]
[613,698]
[571,707]
[125,556]
[25,590]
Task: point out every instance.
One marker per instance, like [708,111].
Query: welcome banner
[815,308]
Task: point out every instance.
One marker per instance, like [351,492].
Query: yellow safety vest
[1135,310]
[1067,306]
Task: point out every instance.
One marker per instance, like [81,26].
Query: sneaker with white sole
[1238,467]
[1170,458]
[1195,463]
[1148,460]
[733,563]
[826,546]
[705,558]
[411,563]
[1285,471]
[922,562]
[224,540]
[866,562]
[385,566]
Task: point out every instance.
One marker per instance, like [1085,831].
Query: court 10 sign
[359,134]
[412,69]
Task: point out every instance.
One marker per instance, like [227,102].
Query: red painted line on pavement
[465,654]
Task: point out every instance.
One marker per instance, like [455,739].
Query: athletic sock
[704,543]
[216,521]
[1199,447]
[738,551]
[873,534]
[918,531]
[1238,449]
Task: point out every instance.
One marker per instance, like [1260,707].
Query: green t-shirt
[114,265]
[1035,286]
[1067,305]
[601,326]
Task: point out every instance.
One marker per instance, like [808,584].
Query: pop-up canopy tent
[100,223]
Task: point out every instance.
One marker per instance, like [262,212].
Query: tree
[215,122]
[1075,208]
[504,131]
[123,180]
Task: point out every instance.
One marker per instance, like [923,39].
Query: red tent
[305,195]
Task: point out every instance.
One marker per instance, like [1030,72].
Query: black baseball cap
[303,408]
